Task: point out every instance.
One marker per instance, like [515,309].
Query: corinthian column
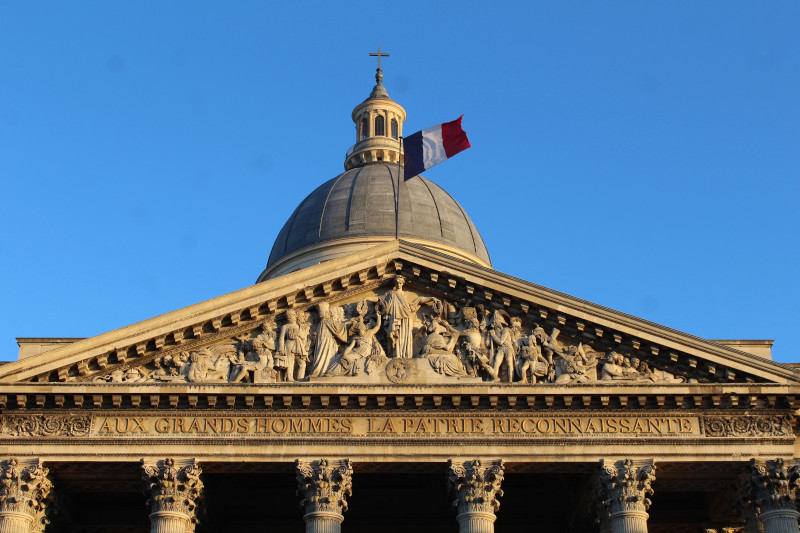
[23,497]
[476,488]
[625,488]
[174,494]
[324,486]
[771,487]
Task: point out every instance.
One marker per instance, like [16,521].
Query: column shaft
[476,522]
[780,521]
[15,522]
[629,522]
[323,522]
[168,522]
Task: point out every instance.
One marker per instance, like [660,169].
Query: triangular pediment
[452,322]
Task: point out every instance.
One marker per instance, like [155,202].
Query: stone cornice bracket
[770,487]
[324,486]
[24,496]
[624,489]
[173,495]
[476,488]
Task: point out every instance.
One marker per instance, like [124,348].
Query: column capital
[770,485]
[25,491]
[173,490]
[624,486]
[476,485]
[324,485]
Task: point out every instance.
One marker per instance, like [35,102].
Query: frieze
[748,426]
[398,335]
[46,425]
[452,424]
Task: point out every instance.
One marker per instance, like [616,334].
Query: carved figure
[612,369]
[532,363]
[578,364]
[204,367]
[505,341]
[629,368]
[292,351]
[363,347]
[474,354]
[438,348]
[399,309]
[257,357]
[331,332]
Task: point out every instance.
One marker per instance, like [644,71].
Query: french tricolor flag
[431,146]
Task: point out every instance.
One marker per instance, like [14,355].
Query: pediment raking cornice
[434,273]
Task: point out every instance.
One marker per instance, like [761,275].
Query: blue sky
[640,155]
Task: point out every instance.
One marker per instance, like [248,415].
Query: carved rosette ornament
[324,486]
[624,489]
[477,489]
[173,495]
[771,488]
[24,497]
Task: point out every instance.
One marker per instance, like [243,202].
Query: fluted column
[24,497]
[625,488]
[476,488]
[324,486]
[174,495]
[771,488]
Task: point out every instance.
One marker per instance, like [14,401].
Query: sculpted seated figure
[256,356]
[364,351]
[438,346]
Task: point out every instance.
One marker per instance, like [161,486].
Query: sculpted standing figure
[330,333]
[292,348]
[531,361]
[505,341]
[399,309]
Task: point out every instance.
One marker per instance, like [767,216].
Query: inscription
[395,426]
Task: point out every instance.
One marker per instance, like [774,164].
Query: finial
[379,70]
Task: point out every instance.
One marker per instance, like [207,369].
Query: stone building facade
[380,375]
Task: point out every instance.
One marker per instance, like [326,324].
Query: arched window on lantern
[394,129]
[380,126]
[364,128]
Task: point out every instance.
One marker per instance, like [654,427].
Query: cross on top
[379,55]
[379,72]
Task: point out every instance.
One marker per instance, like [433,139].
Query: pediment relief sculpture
[400,335]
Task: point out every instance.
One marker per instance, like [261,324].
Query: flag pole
[400,179]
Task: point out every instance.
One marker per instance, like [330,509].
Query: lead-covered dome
[369,205]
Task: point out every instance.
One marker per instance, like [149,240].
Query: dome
[369,205]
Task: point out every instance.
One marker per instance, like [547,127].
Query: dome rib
[436,204]
[325,204]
